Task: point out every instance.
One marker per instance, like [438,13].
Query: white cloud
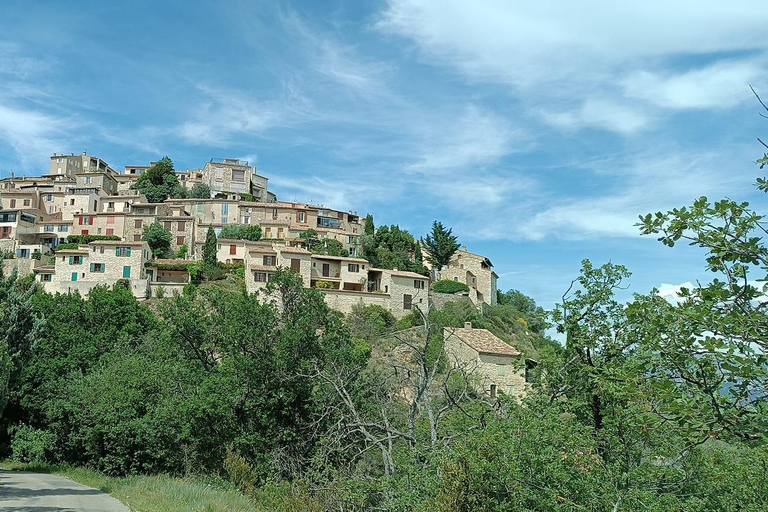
[595,113]
[32,135]
[721,85]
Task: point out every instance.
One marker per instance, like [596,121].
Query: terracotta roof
[339,258]
[295,250]
[482,340]
[115,242]
[264,268]
[404,273]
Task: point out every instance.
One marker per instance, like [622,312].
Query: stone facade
[495,366]
[475,271]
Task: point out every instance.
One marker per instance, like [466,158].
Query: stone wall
[344,301]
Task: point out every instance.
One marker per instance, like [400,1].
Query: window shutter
[80,221]
[128,252]
[70,259]
[18,253]
[91,267]
[117,251]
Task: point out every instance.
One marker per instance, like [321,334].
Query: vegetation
[449,286]
[440,245]
[241,232]
[391,247]
[331,247]
[160,182]
[158,238]
[209,248]
[86,239]
[200,191]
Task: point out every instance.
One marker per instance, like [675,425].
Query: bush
[62,247]
[323,284]
[240,473]
[29,444]
[213,272]
[449,286]
[86,239]
[189,290]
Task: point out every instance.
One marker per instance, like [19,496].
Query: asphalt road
[35,492]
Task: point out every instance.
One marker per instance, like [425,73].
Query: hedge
[449,286]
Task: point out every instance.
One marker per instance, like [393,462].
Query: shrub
[160,291]
[240,473]
[29,444]
[323,284]
[189,290]
[86,239]
[449,286]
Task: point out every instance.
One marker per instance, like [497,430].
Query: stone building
[475,271]
[495,366]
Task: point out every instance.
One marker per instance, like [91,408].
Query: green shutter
[126,272]
[70,260]
[129,251]
[74,276]
[117,251]
[92,267]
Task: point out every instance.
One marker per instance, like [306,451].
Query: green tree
[368,227]
[20,331]
[534,315]
[310,238]
[209,248]
[160,182]
[200,190]
[241,232]
[440,245]
[158,238]
[391,247]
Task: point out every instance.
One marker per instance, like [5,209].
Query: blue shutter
[74,276]
[128,252]
[92,267]
[117,251]
[126,272]
[70,259]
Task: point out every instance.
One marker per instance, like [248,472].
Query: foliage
[440,245]
[67,246]
[158,238]
[20,331]
[200,190]
[329,246]
[323,284]
[29,444]
[368,226]
[182,252]
[241,232]
[209,248]
[370,322]
[87,239]
[724,322]
[449,286]
[534,316]
[160,182]
[391,247]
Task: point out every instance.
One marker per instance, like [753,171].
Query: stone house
[262,260]
[495,366]
[98,263]
[475,271]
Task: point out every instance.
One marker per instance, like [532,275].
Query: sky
[537,131]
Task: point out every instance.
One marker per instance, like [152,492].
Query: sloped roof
[482,340]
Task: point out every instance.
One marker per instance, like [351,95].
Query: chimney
[468,326]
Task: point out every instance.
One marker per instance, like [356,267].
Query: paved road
[35,492]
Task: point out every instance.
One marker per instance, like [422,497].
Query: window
[295,265]
[261,277]
[181,226]
[63,228]
[418,284]
[267,232]
[97,267]
[274,213]
[500,370]
[279,232]
[269,261]
[74,276]
[137,237]
[224,220]
[45,278]
[353,267]
[13,203]
[111,219]
[180,240]
[110,231]
[75,260]
[302,217]
[88,180]
[137,223]
[238,175]
[6,232]
[51,209]
[84,232]
[199,207]
[455,278]
[407,301]
[86,221]
[232,249]
[225,209]
[493,390]
[167,225]
[245,220]
[48,228]
[122,251]
[26,202]
[126,272]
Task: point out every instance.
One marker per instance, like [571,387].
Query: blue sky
[539,131]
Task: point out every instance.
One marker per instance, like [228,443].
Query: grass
[152,493]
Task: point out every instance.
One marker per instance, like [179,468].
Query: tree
[160,182]
[310,238]
[391,247]
[200,190]
[209,248]
[440,245]
[158,238]
[241,232]
[368,227]
[20,330]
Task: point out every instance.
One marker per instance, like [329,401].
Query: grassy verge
[151,493]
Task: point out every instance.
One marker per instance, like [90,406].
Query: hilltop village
[82,199]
